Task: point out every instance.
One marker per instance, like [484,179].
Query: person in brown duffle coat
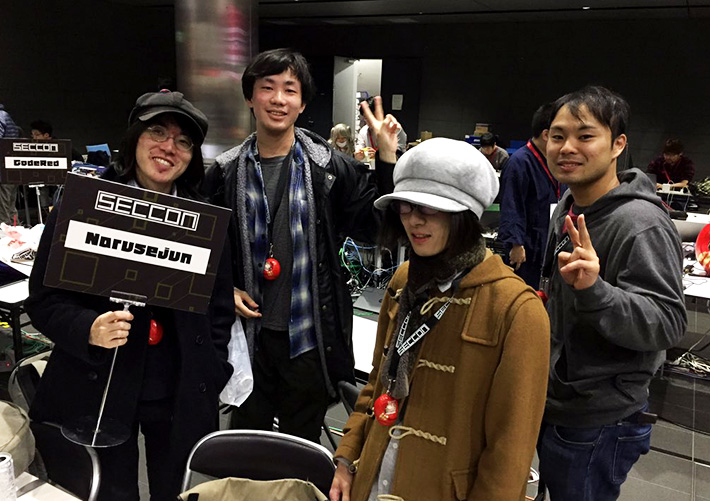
[470,390]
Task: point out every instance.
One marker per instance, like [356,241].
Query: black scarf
[425,275]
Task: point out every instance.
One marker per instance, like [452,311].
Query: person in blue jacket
[527,191]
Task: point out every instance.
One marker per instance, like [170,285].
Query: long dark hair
[125,163]
[465,233]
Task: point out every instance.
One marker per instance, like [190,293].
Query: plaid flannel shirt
[301,325]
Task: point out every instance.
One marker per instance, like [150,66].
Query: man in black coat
[293,199]
[172,364]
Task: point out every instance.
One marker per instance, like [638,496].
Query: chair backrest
[68,465]
[25,378]
[73,467]
[348,394]
[260,455]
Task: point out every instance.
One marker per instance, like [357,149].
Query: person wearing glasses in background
[172,364]
[452,407]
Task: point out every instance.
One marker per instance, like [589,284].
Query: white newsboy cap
[444,174]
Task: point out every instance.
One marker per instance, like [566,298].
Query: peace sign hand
[580,268]
[385,128]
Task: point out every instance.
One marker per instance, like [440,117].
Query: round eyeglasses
[401,207]
[159,134]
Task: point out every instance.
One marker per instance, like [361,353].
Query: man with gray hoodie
[613,276]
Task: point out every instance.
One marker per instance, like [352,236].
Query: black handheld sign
[114,237]
[30,161]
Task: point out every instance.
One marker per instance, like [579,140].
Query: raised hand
[384,127]
[579,268]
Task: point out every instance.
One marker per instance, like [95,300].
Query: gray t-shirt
[276,297]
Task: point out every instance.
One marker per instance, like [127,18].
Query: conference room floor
[676,469]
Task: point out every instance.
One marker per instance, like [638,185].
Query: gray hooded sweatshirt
[607,341]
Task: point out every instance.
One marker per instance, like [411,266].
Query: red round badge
[155,334]
[272,269]
[386,409]
[543,296]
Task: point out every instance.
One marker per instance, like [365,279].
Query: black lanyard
[284,176]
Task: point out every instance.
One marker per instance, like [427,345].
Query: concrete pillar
[215,40]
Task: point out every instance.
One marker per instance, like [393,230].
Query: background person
[672,167]
[496,155]
[471,392]
[40,129]
[341,139]
[367,139]
[168,390]
[616,301]
[528,189]
[8,192]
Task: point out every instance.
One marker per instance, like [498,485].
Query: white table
[696,287]
[364,337]
[33,489]
[12,301]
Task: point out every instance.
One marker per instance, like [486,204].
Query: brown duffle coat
[477,395]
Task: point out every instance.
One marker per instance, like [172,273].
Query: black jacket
[73,382]
[343,194]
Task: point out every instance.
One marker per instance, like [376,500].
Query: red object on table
[702,248]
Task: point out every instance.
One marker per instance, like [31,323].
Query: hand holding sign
[111,329]
[579,268]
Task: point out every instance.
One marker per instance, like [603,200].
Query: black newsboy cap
[152,104]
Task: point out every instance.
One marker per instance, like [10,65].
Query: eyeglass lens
[160,134]
[406,207]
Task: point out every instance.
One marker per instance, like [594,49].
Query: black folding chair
[260,455]
[73,467]
[348,395]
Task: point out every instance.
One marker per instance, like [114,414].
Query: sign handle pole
[108,383]
[127,300]
[39,204]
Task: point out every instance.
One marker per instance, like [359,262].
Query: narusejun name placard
[114,237]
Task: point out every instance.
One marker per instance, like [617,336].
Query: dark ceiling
[464,11]
[291,12]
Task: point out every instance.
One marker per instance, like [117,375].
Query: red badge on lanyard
[386,409]
[155,334]
[272,268]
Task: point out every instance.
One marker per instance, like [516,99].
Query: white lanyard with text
[402,345]
[386,407]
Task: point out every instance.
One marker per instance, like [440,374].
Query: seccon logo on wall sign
[114,237]
[30,161]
